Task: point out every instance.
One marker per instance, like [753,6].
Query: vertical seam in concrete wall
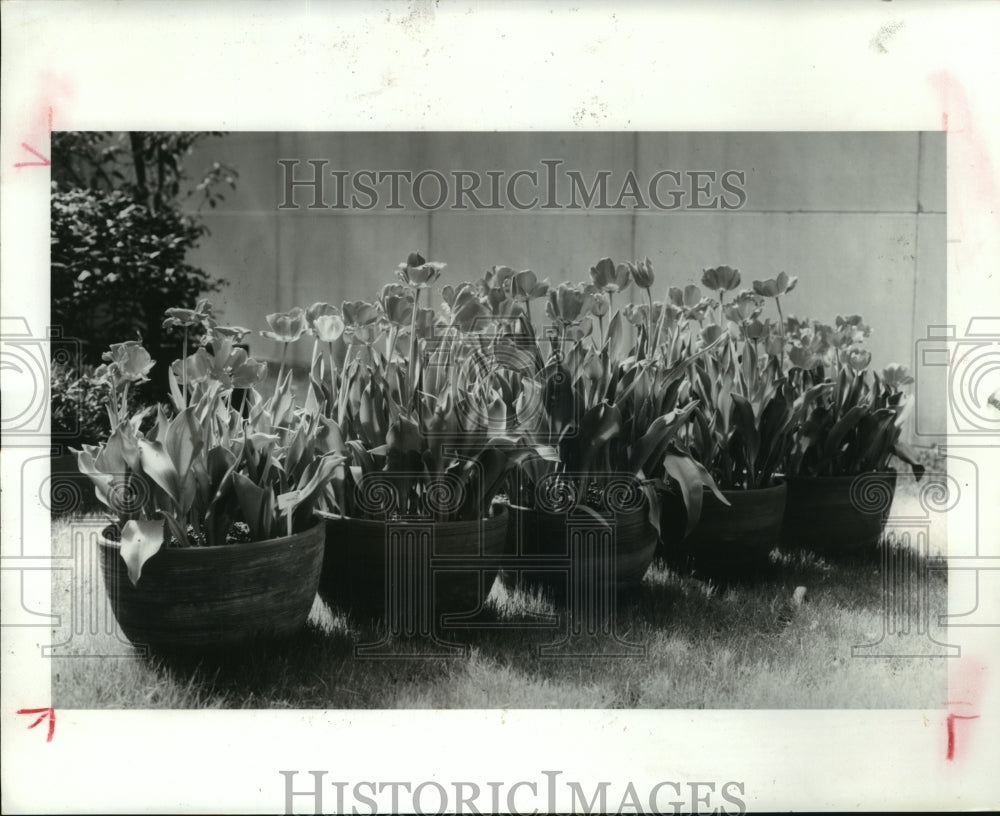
[430,236]
[921,158]
[634,217]
[277,236]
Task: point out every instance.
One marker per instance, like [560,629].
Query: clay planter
[357,578]
[728,541]
[197,598]
[545,538]
[837,516]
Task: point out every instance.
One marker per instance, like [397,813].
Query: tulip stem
[781,320]
[281,373]
[411,369]
[663,312]
[124,409]
[184,389]
[333,380]
[649,325]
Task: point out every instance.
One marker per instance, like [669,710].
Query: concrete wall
[859,217]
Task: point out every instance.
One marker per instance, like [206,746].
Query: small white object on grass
[792,606]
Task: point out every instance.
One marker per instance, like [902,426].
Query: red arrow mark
[43,163]
[44,713]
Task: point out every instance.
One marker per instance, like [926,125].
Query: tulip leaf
[140,541]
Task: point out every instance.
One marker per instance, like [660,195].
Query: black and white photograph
[624,464]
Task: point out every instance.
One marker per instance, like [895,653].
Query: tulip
[359,313]
[418,273]
[569,303]
[398,309]
[746,306]
[720,279]
[776,287]
[200,316]
[610,278]
[643,275]
[859,359]
[525,286]
[328,328]
[286,327]
[244,370]
[318,309]
[498,277]
[129,361]
[601,305]
[895,375]
[236,334]
[801,357]
[467,312]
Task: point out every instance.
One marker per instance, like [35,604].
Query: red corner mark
[44,713]
[951,731]
[43,163]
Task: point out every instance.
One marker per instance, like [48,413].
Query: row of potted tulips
[496,419]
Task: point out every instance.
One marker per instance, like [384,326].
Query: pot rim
[642,508]
[261,544]
[844,477]
[781,483]
[333,518]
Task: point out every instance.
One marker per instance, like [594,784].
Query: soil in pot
[729,543]
[837,516]
[433,568]
[209,598]
[558,548]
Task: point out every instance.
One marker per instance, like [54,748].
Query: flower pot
[195,598]
[728,541]
[837,515]
[575,548]
[358,577]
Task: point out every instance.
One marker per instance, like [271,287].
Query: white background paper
[449,65]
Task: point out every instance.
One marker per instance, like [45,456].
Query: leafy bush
[114,264]
[120,239]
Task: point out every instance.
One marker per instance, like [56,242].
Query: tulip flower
[642,274]
[569,303]
[859,359]
[747,306]
[286,327]
[418,273]
[525,286]
[895,375]
[776,287]
[235,334]
[801,357]
[245,371]
[610,278]
[328,328]
[318,309]
[129,361]
[200,316]
[359,313]
[721,279]
[467,312]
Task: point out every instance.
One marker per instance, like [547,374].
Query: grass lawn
[705,647]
